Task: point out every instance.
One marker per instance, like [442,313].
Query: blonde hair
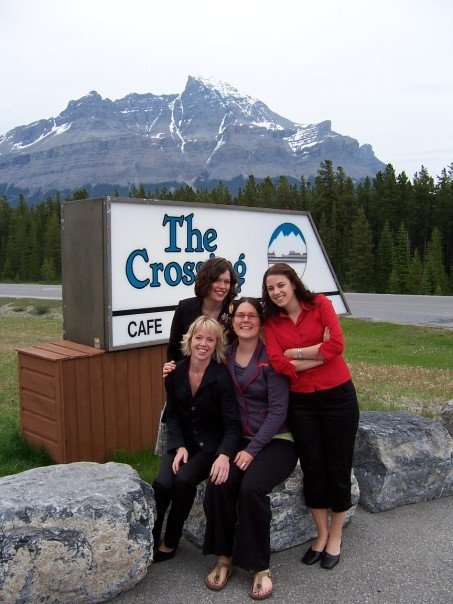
[211,325]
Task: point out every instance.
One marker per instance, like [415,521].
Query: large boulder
[401,458]
[291,523]
[73,533]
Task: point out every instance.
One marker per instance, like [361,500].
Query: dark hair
[209,272]
[253,302]
[301,292]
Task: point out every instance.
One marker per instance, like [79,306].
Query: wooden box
[82,403]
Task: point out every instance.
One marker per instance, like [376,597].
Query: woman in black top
[215,288]
[203,430]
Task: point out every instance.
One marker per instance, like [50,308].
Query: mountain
[208,133]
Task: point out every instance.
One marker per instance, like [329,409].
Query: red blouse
[281,333]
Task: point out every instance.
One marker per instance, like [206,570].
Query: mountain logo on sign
[288,244]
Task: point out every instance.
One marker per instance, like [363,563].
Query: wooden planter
[82,403]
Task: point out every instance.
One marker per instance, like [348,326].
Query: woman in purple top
[238,513]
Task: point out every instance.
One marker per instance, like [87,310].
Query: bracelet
[299,354]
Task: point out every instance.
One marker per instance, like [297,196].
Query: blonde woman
[203,430]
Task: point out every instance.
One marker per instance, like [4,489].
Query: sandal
[258,586]
[218,567]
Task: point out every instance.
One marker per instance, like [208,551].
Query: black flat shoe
[329,560]
[311,556]
[163,556]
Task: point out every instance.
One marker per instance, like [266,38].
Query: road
[26,290]
[431,311]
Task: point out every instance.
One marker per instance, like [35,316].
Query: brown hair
[209,272]
[301,292]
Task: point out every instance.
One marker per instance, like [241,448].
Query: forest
[387,234]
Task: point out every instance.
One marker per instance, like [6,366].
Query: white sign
[156,248]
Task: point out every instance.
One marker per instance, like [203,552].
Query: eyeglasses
[242,315]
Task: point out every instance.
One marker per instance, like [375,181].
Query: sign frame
[146,272]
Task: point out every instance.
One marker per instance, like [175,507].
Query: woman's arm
[275,351]
[276,398]
[307,356]
[175,434]
[332,343]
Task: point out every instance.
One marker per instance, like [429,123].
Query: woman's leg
[251,549]
[304,421]
[220,508]
[189,476]
[336,530]
[321,519]
[340,417]
[163,491]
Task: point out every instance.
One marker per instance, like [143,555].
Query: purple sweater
[262,397]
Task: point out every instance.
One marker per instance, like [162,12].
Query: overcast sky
[381,71]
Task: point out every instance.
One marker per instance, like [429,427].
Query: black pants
[179,490]
[238,512]
[324,425]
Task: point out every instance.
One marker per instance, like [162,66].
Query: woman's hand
[182,455]
[220,469]
[243,460]
[326,335]
[168,368]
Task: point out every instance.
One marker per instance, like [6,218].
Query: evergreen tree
[344,213]
[325,190]
[415,275]
[78,194]
[285,198]
[434,264]
[443,212]
[361,273]
[384,259]
[221,195]
[394,283]
[304,196]
[248,196]
[8,272]
[385,200]
[5,222]
[52,243]
[267,196]
[401,259]
[421,216]
[48,273]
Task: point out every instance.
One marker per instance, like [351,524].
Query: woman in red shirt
[304,341]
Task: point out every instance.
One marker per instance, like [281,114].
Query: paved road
[432,311]
[402,556]
[26,290]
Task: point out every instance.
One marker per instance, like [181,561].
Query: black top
[186,312]
[207,420]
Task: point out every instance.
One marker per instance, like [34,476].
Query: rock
[291,523]
[77,533]
[447,416]
[401,458]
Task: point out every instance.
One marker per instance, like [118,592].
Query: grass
[400,367]
[394,367]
